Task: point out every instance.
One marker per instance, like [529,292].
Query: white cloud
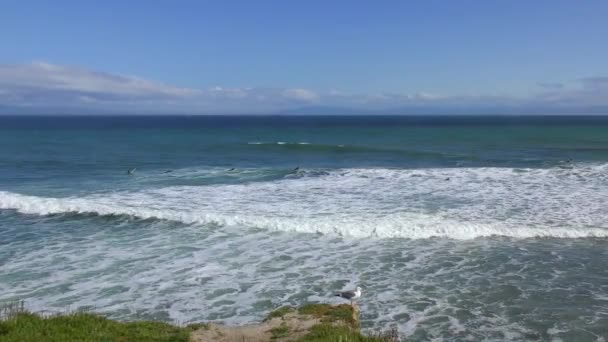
[589,91]
[38,78]
[45,85]
[301,95]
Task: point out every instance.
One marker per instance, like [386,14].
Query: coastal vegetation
[309,323]
[86,327]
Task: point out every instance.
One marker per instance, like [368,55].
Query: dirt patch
[290,327]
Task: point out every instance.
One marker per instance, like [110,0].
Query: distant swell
[304,146]
[451,203]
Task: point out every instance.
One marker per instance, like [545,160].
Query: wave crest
[459,203]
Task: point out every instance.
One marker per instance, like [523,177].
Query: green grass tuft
[327,332]
[196,326]
[280,331]
[280,312]
[331,313]
[85,327]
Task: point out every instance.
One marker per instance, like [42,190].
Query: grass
[327,332]
[85,327]
[10,309]
[280,331]
[331,313]
[338,323]
[280,312]
[197,326]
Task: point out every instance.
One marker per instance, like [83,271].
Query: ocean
[456,227]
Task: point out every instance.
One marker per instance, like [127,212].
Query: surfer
[131,171]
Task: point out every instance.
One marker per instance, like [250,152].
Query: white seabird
[350,295]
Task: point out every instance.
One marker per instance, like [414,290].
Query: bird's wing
[347,294]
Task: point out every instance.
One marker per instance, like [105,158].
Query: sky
[265,56]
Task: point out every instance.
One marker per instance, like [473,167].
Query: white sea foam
[278,143]
[473,289]
[459,203]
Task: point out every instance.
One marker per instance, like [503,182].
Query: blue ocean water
[457,227]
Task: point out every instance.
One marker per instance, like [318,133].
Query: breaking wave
[456,203]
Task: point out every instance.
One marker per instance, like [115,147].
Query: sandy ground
[297,324]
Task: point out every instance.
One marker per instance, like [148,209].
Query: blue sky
[264,56]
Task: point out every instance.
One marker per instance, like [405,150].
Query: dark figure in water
[231,169]
[447,179]
[131,171]
[168,171]
[297,168]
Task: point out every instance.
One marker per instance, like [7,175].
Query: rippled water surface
[461,228]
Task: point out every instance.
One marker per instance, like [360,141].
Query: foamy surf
[463,203]
[213,228]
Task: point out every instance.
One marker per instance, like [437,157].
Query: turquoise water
[459,228]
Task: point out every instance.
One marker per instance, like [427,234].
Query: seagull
[350,295]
